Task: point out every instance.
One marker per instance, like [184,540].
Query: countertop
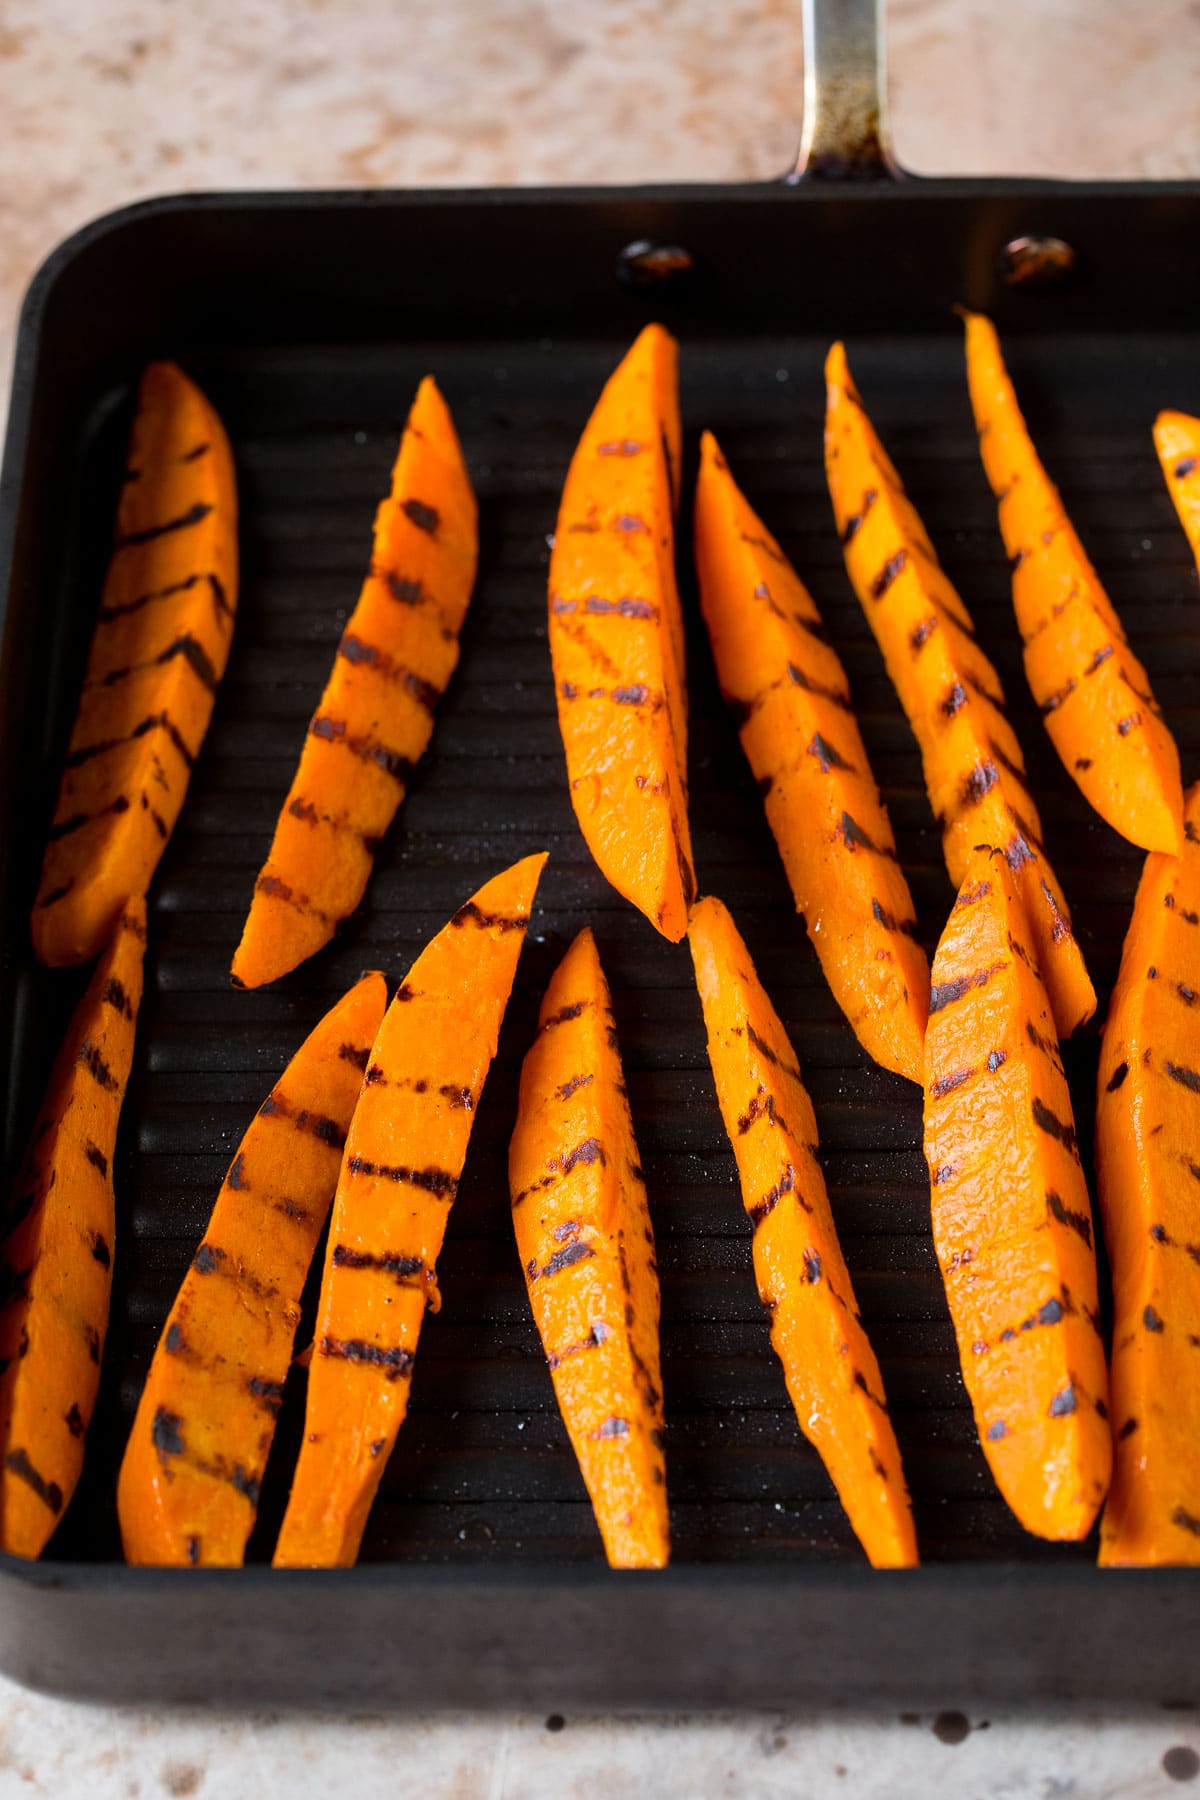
[105,101]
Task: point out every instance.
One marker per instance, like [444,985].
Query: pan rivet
[1038,264]
[644,264]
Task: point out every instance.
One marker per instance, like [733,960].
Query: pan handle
[846,134]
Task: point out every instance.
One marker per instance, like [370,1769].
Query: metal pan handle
[846,134]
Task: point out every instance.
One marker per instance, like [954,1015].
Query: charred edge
[208,1259]
[759,1108]
[770,1200]
[396,1362]
[812,1266]
[979,782]
[166,1434]
[245,1483]
[567,1088]
[173,1342]
[100,1250]
[627,607]
[431,1180]
[921,634]
[196,658]
[78,820]
[401,588]
[75,1423]
[474,915]
[764,1049]
[826,756]
[317,1124]
[1047,1046]
[851,527]
[946,993]
[1184,467]
[48,1492]
[946,1084]
[108,613]
[1151,1319]
[838,697]
[192,516]
[1189,918]
[236,1178]
[1186,1077]
[562,1259]
[400,1267]
[1101,657]
[1007,764]
[1063,1403]
[888,574]
[96,1067]
[612,1428]
[590,1151]
[1017,853]
[200,450]
[425,518]
[855,838]
[355,651]
[1054,1127]
[367,749]
[351,1053]
[153,722]
[943,1172]
[996,1059]
[565,1013]
[96,1157]
[955,699]
[1055,700]
[860,1381]
[269,1392]
[598,1335]
[889,921]
[1074,1221]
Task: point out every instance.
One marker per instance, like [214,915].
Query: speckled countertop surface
[105,101]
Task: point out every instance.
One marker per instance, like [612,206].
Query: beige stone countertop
[106,101]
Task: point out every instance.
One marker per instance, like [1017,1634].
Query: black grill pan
[309,319]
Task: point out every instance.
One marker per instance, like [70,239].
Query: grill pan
[308,319]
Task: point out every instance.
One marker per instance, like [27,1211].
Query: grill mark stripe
[193,516]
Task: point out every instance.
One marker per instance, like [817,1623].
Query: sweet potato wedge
[190,1478]
[1093,693]
[616,638]
[787,690]
[587,1248]
[375,718]
[1012,1222]
[1177,441]
[830,1368]
[404,1155]
[158,652]
[57,1256]
[1147,1117]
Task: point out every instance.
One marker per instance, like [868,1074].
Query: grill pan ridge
[482,1506]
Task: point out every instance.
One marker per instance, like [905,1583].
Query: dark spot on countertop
[951,1727]
[1181,1763]
[555,1722]
[181,1779]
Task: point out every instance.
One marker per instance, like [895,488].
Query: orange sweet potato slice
[404,1155]
[57,1257]
[190,1479]
[616,638]
[158,652]
[1012,1223]
[587,1248]
[375,719]
[786,687]
[830,1368]
[1093,693]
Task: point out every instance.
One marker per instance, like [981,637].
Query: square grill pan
[309,320]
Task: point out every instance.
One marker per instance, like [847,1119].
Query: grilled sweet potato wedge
[1093,693]
[830,1368]
[403,1158]
[57,1256]
[1012,1223]
[158,652]
[375,719]
[616,638]
[786,687]
[193,1467]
